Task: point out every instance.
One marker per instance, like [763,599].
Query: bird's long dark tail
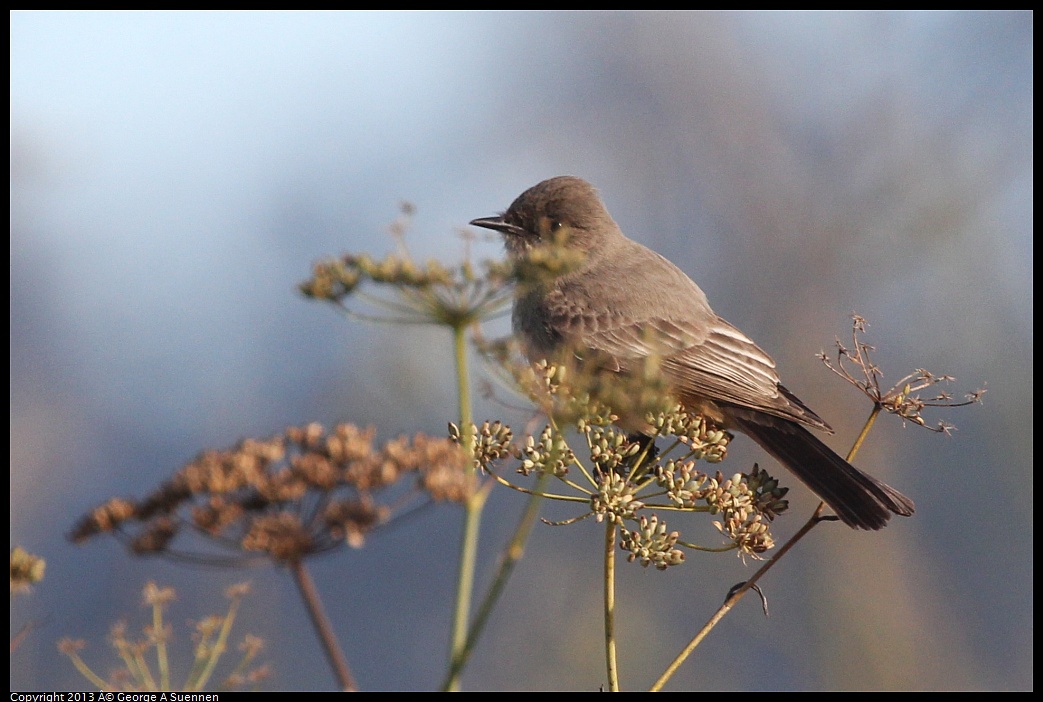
[860,500]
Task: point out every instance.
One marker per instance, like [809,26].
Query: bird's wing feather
[723,365]
[703,355]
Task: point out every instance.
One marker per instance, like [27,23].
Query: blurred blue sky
[175,174]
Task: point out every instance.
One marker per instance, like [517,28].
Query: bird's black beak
[498,224]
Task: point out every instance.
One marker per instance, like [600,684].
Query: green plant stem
[748,585]
[463,385]
[162,659]
[465,586]
[472,519]
[321,622]
[610,607]
[510,557]
[218,648]
[864,433]
[86,672]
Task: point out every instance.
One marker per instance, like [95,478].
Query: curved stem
[748,585]
[534,492]
[321,622]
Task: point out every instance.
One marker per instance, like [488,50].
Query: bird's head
[565,210]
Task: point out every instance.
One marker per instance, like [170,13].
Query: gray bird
[625,303]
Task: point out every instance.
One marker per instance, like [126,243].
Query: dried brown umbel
[285,497]
[400,289]
[903,398]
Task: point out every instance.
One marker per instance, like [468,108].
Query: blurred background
[175,175]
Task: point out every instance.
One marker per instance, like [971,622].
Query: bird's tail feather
[860,500]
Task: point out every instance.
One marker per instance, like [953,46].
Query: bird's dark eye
[555,226]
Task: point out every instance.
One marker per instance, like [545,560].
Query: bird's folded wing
[718,362]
